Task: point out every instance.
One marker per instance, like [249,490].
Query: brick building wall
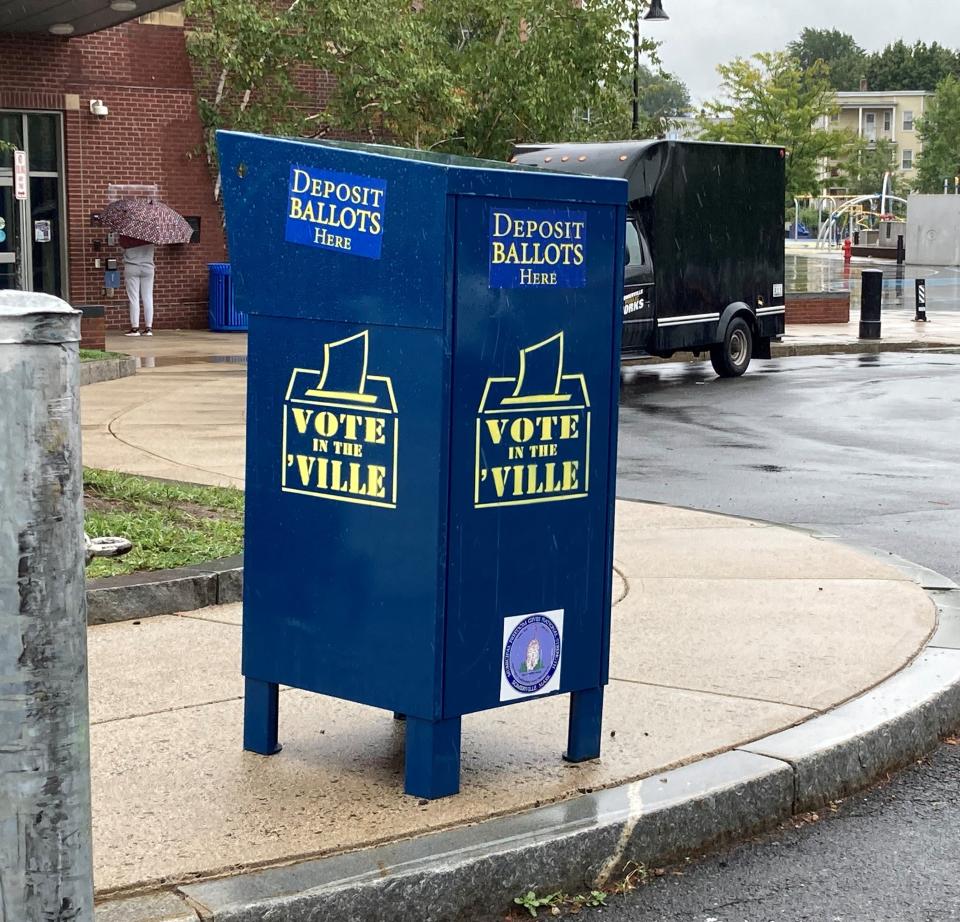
[152,135]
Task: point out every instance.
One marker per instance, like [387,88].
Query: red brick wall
[93,331]
[818,307]
[152,135]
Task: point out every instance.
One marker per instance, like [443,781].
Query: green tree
[463,76]
[939,130]
[662,96]
[838,50]
[910,67]
[863,165]
[770,99]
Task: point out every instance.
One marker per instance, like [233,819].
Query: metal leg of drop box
[432,757]
[583,735]
[261,707]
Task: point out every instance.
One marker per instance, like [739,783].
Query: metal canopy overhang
[85,16]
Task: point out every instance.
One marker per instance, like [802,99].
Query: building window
[907,161]
[886,121]
[835,117]
[907,120]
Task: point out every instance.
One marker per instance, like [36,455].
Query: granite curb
[474,872]
[107,369]
[164,592]
[865,347]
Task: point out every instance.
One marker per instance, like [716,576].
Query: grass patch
[96,355]
[170,525]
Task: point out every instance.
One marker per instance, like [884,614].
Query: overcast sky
[701,34]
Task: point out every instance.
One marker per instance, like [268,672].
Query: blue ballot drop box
[433,375]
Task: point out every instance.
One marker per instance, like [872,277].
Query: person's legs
[131,278]
[146,292]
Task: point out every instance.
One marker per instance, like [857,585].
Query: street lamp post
[656,14]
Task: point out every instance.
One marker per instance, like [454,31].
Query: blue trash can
[223,316]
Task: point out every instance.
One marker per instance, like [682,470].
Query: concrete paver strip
[181,423]
[803,642]
[161,664]
[756,553]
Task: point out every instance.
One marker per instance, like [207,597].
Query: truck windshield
[634,254]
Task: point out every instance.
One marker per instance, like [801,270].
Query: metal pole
[636,70]
[921,292]
[901,250]
[871,292]
[46,866]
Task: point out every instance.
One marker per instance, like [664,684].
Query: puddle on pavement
[162,361]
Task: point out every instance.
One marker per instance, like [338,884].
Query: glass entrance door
[33,235]
[11,237]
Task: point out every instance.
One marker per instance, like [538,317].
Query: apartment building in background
[888,116]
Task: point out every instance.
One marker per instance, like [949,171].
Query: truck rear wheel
[731,357]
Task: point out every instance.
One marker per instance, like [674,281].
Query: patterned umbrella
[152,222]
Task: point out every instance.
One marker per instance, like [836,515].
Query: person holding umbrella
[143,225]
[138,273]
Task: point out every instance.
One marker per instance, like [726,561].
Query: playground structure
[841,216]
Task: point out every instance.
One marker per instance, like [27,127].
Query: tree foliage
[939,130]
[898,66]
[462,76]
[862,166]
[770,99]
[663,97]
[910,67]
[845,59]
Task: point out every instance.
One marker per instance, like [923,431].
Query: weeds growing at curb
[170,525]
[560,903]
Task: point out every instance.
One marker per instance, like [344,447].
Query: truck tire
[731,357]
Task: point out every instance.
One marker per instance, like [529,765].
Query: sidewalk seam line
[706,691]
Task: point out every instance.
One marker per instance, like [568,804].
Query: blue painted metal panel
[431,435]
[533,371]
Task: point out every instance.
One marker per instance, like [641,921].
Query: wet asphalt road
[890,855]
[868,448]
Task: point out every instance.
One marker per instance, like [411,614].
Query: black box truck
[704,261]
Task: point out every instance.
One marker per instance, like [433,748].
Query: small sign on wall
[20,175]
[42,232]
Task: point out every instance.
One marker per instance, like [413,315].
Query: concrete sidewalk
[725,631]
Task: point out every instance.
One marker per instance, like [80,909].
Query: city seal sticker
[532,650]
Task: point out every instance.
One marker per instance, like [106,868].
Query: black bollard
[871,289]
[901,250]
[921,315]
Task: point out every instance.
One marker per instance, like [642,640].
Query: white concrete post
[46,867]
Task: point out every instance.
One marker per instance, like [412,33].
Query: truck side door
[638,291]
